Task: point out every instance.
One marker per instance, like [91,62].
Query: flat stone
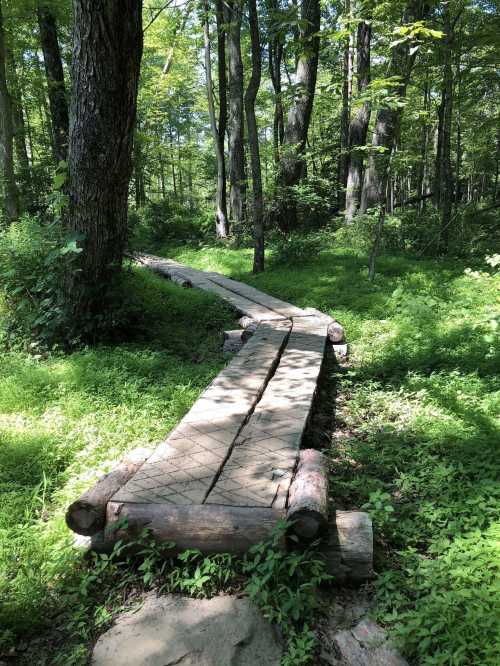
[173,630]
[366,644]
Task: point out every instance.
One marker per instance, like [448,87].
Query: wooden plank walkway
[238,446]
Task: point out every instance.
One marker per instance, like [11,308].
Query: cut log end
[348,549]
[336,332]
[87,515]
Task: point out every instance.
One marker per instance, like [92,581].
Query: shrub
[296,249]
[33,261]
[162,221]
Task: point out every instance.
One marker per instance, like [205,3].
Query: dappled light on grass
[65,420]
[418,435]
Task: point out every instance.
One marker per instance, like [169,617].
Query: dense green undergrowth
[420,434]
[417,446]
[65,419]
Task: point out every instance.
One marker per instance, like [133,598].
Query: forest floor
[415,442]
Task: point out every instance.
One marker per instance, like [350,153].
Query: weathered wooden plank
[259,469]
[183,468]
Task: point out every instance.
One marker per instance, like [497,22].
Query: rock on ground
[170,629]
[365,644]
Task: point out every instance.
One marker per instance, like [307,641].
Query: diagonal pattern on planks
[238,445]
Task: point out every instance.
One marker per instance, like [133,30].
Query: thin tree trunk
[275,47]
[358,127]
[422,183]
[497,166]
[179,29]
[438,163]
[105,73]
[458,163]
[19,129]
[345,114]
[292,164]
[55,82]
[221,219]
[253,139]
[447,176]
[11,192]
[237,177]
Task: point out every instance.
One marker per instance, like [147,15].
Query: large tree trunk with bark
[389,118]
[221,221]
[253,139]
[292,164]
[55,81]
[11,193]
[105,73]
[358,127]
[237,177]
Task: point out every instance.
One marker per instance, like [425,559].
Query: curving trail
[238,445]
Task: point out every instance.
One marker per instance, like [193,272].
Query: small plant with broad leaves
[284,585]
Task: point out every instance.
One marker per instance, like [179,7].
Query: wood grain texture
[210,528]
[87,515]
[308,495]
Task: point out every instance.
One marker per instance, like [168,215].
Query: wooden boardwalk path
[233,466]
[239,444]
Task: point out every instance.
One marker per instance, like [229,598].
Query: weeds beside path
[421,435]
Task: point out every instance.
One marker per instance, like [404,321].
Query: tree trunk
[388,119]
[105,73]
[422,184]
[446,169]
[358,127]
[11,193]
[237,176]
[253,139]
[221,220]
[55,82]
[275,47]
[346,113]
[19,129]
[438,163]
[292,164]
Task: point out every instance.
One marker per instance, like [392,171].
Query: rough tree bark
[358,127]
[388,119]
[105,72]
[19,128]
[253,139]
[275,51]
[11,192]
[292,164]
[237,177]
[345,115]
[55,81]
[447,101]
[221,221]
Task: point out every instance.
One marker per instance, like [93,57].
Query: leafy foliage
[285,587]
[34,260]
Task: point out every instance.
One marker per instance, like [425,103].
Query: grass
[65,419]
[417,444]
[418,441]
